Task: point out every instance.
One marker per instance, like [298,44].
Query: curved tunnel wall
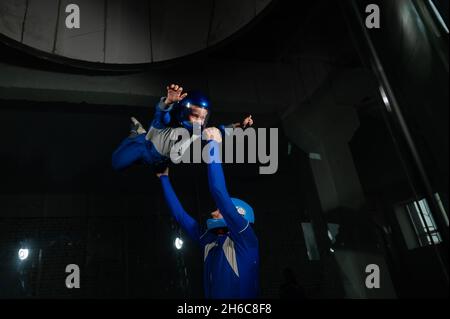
[125,32]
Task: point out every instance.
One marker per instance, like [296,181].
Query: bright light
[330,235]
[331,250]
[23,253]
[178,243]
[385,99]
[438,15]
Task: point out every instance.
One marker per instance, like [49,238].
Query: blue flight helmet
[244,209]
[196,98]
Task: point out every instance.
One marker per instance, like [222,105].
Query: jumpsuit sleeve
[187,223]
[161,117]
[237,225]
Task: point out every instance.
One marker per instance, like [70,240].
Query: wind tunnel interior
[346,193]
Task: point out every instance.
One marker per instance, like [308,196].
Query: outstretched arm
[236,223]
[247,122]
[165,105]
[176,209]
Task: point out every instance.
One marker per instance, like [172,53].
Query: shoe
[136,128]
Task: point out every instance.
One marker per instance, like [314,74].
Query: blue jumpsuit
[231,261]
[152,148]
[155,147]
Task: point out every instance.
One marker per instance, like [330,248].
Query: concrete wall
[323,125]
[233,86]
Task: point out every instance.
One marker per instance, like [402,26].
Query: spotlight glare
[178,243]
[385,98]
[23,253]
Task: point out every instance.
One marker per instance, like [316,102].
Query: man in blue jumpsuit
[230,246]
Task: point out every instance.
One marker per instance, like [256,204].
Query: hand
[165,173]
[248,121]
[174,94]
[212,134]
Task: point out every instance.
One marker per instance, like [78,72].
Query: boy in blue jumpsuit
[230,246]
[176,112]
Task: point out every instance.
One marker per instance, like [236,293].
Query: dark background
[60,197]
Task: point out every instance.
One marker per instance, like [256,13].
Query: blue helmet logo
[244,209]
